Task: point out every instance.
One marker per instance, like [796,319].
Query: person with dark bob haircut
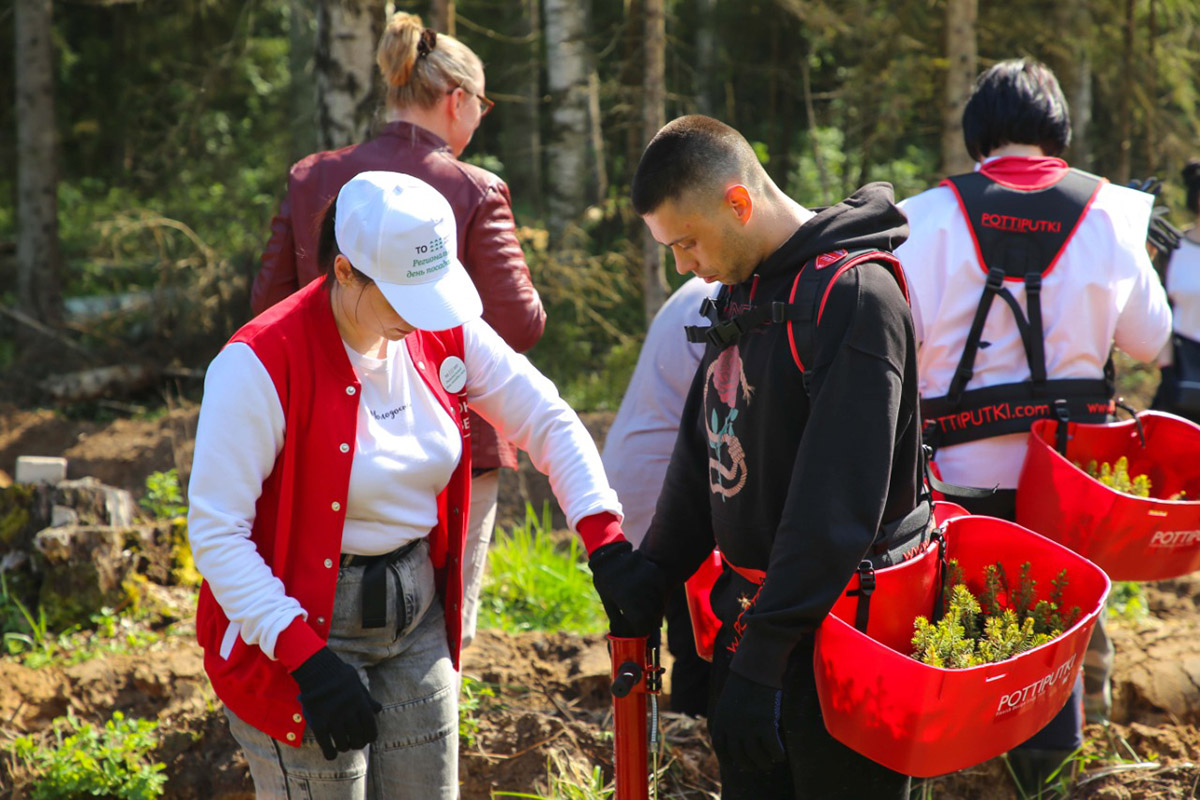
[1016,102]
[1066,251]
[797,449]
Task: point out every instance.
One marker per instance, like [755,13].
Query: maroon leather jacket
[487,241]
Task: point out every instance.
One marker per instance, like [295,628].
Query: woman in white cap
[329,493]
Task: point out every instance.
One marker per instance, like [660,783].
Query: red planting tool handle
[635,675]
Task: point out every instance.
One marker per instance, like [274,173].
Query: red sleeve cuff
[599,530]
[296,643]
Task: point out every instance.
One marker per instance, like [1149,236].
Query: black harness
[1019,235]
[802,313]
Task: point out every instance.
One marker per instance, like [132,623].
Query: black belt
[374,583]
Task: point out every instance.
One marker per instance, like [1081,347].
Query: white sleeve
[525,408]
[1144,323]
[238,437]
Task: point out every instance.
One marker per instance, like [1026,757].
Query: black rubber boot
[1031,768]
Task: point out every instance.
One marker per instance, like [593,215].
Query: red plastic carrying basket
[1130,538]
[925,721]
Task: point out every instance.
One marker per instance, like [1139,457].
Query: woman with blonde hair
[435,101]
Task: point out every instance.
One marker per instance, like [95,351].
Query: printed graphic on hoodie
[727,460]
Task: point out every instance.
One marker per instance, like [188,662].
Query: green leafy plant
[567,780]
[535,583]
[475,696]
[164,496]
[1127,601]
[112,761]
[1002,622]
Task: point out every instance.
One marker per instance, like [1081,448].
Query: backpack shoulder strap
[810,292]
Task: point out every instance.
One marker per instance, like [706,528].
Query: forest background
[150,141]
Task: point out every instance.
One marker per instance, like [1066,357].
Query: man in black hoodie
[797,452]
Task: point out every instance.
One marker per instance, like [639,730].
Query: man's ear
[737,198]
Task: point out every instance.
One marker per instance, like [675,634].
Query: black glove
[632,588]
[337,706]
[745,724]
[1162,235]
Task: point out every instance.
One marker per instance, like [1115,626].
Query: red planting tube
[635,674]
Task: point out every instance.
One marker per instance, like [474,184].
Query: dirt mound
[549,709]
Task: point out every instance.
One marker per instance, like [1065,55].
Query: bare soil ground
[551,705]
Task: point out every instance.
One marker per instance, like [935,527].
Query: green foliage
[113,761]
[1001,623]
[536,584]
[164,496]
[1127,601]
[1116,476]
[475,697]
[566,780]
[35,645]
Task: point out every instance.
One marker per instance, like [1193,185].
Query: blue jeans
[406,666]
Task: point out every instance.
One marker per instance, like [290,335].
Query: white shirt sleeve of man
[238,437]
[525,408]
[1144,322]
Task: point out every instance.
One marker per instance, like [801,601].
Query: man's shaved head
[693,157]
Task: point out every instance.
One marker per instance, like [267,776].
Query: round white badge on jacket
[453,373]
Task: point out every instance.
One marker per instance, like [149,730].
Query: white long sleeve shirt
[405,451]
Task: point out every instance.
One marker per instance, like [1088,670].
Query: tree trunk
[1074,19]
[38,289]
[301,96]
[961,58]
[348,91]
[521,140]
[1124,165]
[654,284]
[596,134]
[567,81]
[443,16]
[706,57]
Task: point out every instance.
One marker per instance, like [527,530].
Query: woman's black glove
[632,588]
[745,724]
[337,706]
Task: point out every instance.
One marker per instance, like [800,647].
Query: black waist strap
[895,540]
[1012,408]
[374,582]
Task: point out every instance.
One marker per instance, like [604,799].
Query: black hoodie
[798,481]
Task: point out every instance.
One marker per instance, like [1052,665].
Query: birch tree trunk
[38,288]
[961,58]
[348,89]
[654,284]
[567,81]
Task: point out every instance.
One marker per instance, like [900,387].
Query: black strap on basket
[866,587]
[1137,420]
[939,600]
[950,490]
[1062,427]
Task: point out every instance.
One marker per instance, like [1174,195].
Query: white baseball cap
[400,232]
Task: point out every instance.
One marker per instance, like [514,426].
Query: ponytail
[418,65]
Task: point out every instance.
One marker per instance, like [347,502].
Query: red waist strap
[755,576]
